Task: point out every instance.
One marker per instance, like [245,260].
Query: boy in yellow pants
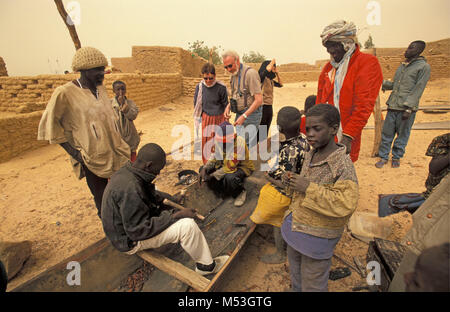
[275,198]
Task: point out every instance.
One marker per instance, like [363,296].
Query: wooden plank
[103,268]
[391,253]
[438,125]
[378,116]
[239,246]
[437,107]
[175,269]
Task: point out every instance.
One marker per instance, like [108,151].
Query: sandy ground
[42,201]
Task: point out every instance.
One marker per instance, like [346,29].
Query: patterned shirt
[291,157]
[240,159]
[439,146]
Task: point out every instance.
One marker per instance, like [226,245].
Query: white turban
[340,31]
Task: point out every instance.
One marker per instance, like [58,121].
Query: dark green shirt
[409,83]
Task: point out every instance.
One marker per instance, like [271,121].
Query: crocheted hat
[87,58]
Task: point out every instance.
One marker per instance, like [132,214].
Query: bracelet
[245,116]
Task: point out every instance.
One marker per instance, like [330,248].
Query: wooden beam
[378,127]
[377,116]
[437,107]
[436,125]
[72,30]
[175,269]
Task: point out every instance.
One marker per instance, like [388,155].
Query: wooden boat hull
[103,268]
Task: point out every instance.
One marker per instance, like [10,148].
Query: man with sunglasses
[245,99]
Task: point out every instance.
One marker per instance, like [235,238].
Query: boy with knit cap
[230,164]
[80,118]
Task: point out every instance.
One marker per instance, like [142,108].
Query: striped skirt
[207,135]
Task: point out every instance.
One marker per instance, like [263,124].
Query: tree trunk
[65,17]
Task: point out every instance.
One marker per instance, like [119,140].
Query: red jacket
[358,94]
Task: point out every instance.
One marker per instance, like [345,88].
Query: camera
[233,105]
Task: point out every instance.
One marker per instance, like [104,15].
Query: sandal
[381,163]
[395,163]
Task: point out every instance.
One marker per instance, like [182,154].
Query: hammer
[175,205]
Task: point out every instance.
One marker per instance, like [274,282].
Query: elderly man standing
[350,81]
[80,118]
[409,83]
[245,98]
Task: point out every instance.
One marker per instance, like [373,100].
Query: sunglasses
[208,78]
[228,66]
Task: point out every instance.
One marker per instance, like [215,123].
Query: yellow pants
[271,206]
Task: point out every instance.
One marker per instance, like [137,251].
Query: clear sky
[35,41]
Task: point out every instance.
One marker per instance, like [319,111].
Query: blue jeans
[250,133]
[394,125]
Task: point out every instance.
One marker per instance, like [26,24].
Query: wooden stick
[175,205]
[347,263]
[360,266]
[71,28]
[175,269]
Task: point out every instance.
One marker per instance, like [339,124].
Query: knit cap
[88,58]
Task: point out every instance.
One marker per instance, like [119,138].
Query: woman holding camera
[210,101]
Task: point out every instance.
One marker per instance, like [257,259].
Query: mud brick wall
[24,94]
[18,134]
[148,90]
[3,71]
[437,54]
[189,84]
[31,93]
[19,125]
[295,67]
[123,64]
[321,63]
[154,60]
[221,71]
[300,76]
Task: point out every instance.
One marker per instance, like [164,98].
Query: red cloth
[302,125]
[358,94]
[206,121]
[133,157]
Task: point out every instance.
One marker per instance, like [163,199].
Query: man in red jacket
[350,81]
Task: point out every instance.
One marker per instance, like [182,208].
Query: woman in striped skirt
[210,101]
